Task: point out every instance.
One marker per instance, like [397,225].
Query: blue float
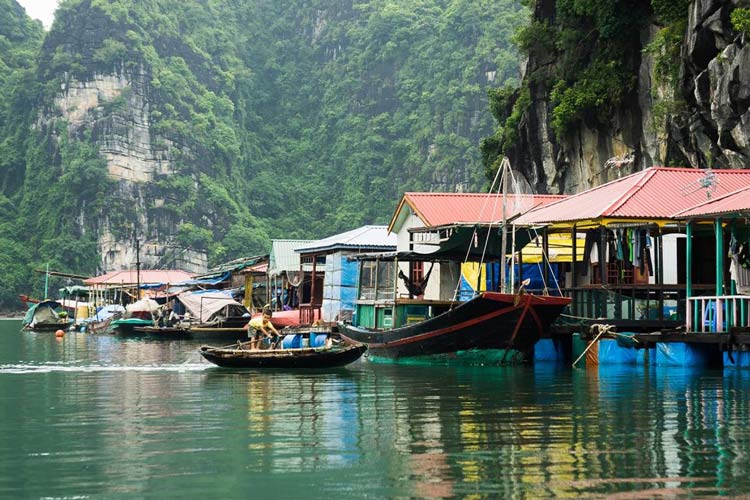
[556,350]
[738,359]
[612,353]
[681,354]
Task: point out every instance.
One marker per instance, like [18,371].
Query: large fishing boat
[491,320]
[404,321]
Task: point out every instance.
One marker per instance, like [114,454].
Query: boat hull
[324,357]
[49,327]
[127,327]
[222,334]
[489,321]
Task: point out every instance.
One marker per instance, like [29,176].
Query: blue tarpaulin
[205,281]
[680,354]
[532,272]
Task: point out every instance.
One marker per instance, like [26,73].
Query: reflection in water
[101,416]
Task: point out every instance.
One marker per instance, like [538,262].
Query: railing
[307,313]
[717,314]
[642,302]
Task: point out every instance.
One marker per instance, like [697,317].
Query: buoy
[59,333]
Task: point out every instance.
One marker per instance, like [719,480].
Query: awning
[204,305]
[459,242]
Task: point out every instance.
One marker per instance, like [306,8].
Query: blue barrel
[292,341]
[318,339]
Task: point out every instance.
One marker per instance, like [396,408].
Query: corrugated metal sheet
[654,193]
[736,202]
[147,277]
[365,238]
[283,257]
[438,209]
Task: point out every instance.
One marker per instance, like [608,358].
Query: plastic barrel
[292,342]
[318,339]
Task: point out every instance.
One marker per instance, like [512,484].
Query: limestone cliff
[696,117]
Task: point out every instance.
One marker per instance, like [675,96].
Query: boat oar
[602,330]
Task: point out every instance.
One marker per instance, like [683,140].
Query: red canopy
[147,277]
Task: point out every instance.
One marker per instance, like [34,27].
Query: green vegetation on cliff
[292,118]
[584,58]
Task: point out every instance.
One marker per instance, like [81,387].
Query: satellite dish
[617,162]
[708,182]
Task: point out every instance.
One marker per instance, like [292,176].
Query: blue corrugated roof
[365,238]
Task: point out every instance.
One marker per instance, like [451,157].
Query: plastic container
[292,342]
[318,339]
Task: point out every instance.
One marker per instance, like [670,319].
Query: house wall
[670,258]
[444,277]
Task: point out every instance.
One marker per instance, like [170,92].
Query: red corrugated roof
[654,193]
[438,209]
[738,201]
[129,277]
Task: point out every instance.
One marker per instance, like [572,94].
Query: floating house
[422,220]
[120,286]
[655,255]
[335,297]
[246,277]
[289,282]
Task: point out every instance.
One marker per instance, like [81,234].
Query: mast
[46,283]
[137,269]
[504,241]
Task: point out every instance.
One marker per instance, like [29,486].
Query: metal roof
[283,257]
[147,277]
[654,193]
[363,239]
[233,266]
[438,209]
[737,202]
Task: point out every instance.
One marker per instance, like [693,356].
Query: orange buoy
[59,333]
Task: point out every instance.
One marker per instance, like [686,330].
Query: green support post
[689,273]
[719,233]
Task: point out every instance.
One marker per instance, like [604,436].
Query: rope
[577,317]
[549,266]
[468,250]
[602,330]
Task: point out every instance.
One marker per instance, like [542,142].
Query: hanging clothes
[588,247]
[620,239]
[644,245]
[611,247]
[636,242]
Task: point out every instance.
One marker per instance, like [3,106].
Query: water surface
[92,416]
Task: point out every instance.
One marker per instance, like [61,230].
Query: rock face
[114,109]
[709,127]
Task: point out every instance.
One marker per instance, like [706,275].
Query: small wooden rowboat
[239,356]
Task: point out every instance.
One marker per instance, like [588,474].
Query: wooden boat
[127,326]
[47,315]
[327,356]
[192,332]
[138,314]
[161,332]
[491,320]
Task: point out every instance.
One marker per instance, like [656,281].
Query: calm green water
[99,417]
